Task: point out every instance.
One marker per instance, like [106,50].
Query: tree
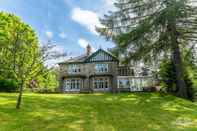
[20,52]
[31,69]
[46,83]
[168,79]
[148,29]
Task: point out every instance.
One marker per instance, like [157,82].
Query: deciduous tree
[20,52]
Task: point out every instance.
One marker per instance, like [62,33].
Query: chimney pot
[88,50]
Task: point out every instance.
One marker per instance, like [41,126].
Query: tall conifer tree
[144,29]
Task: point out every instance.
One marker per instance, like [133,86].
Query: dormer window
[74,68]
[101,68]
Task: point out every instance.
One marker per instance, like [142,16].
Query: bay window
[72,84]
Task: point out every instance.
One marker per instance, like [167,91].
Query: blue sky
[68,23]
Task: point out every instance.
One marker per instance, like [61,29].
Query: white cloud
[86,18]
[83,43]
[49,34]
[62,35]
[109,3]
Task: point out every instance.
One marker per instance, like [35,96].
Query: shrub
[8,85]
[168,79]
[150,89]
[45,90]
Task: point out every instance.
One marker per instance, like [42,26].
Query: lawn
[97,112]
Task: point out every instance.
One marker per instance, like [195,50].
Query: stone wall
[87,71]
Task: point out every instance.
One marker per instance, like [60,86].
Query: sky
[70,24]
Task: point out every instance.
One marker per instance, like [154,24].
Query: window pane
[101,83]
[74,68]
[101,67]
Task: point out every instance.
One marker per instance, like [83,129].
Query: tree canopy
[22,57]
[152,29]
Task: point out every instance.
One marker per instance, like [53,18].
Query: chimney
[88,50]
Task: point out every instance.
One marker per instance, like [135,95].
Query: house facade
[96,72]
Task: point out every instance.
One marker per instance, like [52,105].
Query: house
[98,71]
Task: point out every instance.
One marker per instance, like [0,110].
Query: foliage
[152,30]
[167,75]
[8,85]
[19,50]
[192,72]
[106,112]
[47,83]
[46,90]
[168,79]
[8,82]
[21,55]
[18,45]
[49,80]
[141,28]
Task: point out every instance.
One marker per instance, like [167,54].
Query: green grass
[97,112]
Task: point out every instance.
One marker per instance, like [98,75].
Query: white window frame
[135,83]
[101,68]
[73,85]
[74,68]
[101,83]
[124,83]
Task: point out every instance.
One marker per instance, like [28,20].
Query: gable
[101,55]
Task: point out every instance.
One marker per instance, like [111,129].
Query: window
[72,84]
[74,68]
[100,68]
[124,83]
[101,83]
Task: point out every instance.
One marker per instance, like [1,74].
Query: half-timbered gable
[100,56]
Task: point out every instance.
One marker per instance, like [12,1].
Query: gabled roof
[78,59]
[101,54]
[81,58]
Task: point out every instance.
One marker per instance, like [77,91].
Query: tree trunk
[20,96]
[177,61]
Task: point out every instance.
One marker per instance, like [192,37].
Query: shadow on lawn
[125,112]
